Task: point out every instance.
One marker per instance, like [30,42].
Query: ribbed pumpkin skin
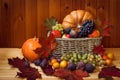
[28,49]
[75,18]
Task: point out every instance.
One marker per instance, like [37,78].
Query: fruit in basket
[58,27]
[56,33]
[67,30]
[76,18]
[87,28]
[95,33]
[28,48]
[73,34]
[65,36]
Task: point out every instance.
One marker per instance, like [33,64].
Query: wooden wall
[23,19]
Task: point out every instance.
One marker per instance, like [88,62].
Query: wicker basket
[79,45]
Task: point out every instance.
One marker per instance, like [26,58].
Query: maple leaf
[108,72]
[104,27]
[48,70]
[48,45]
[99,49]
[62,73]
[106,31]
[71,75]
[26,71]
[81,73]
[29,73]
[17,62]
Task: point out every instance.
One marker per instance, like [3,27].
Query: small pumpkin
[28,48]
[76,18]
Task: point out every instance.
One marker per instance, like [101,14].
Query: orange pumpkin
[28,49]
[76,18]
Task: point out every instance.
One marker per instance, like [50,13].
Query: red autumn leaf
[62,73]
[48,45]
[26,71]
[99,49]
[29,73]
[106,28]
[108,72]
[48,70]
[70,75]
[17,62]
[105,22]
[106,31]
[81,73]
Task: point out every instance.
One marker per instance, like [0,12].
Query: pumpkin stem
[35,38]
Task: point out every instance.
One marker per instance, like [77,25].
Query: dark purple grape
[44,63]
[87,28]
[67,30]
[71,66]
[89,67]
[80,65]
[37,62]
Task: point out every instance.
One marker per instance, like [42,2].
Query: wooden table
[9,73]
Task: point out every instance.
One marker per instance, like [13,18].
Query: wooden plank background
[23,19]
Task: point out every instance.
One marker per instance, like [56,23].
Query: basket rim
[86,38]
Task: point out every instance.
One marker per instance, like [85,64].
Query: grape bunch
[74,57]
[58,27]
[87,28]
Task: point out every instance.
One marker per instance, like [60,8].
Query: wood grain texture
[103,14]
[78,4]
[7,72]
[54,9]
[30,18]
[90,5]
[17,22]
[114,20]
[66,8]
[5,35]
[22,19]
[42,14]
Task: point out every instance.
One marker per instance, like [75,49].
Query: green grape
[84,56]
[79,56]
[70,60]
[65,58]
[62,58]
[70,54]
[91,59]
[58,27]
[74,55]
[75,60]
[85,61]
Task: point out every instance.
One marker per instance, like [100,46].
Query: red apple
[66,36]
[56,33]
